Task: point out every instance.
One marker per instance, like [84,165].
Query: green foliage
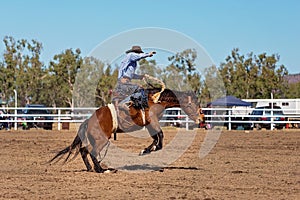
[85,86]
[72,81]
[294,91]
[105,86]
[4,82]
[23,70]
[213,86]
[253,76]
[184,61]
[181,74]
[62,75]
[148,67]
[68,79]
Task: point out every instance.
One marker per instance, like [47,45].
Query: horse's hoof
[110,171]
[157,148]
[144,152]
[99,170]
[89,170]
[141,153]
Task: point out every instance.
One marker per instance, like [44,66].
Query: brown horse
[94,133]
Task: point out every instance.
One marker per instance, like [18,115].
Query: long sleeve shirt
[129,64]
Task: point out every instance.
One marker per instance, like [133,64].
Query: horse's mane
[171,95]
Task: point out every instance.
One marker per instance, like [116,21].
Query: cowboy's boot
[144,99]
[125,104]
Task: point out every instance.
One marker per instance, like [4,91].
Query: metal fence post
[16,119]
[187,123]
[272,124]
[58,120]
[229,120]
[16,111]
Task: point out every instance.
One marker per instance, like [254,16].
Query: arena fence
[232,118]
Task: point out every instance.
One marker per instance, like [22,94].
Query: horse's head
[186,100]
[189,104]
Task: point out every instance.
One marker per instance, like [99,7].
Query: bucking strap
[156,96]
[114,117]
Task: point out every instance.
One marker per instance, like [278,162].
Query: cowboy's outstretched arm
[138,56]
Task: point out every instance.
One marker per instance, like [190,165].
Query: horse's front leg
[157,143]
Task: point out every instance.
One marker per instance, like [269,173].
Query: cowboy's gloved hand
[144,77]
[152,53]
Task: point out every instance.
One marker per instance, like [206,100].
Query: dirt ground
[242,165]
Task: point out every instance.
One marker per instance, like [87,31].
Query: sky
[258,26]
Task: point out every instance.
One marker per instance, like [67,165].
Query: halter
[189,104]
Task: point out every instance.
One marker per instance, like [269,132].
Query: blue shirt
[129,64]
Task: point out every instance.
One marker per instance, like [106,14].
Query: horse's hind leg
[97,166]
[84,152]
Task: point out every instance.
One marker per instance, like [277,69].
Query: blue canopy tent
[229,101]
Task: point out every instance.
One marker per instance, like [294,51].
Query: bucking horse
[94,133]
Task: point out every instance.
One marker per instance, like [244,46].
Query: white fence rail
[214,116]
[58,115]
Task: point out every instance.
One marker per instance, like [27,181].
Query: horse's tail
[77,143]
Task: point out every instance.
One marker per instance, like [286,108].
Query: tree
[213,86]
[293,91]
[253,76]
[86,84]
[23,70]
[148,67]
[8,68]
[4,82]
[62,76]
[183,68]
[106,85]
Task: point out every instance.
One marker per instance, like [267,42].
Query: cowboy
[127,72]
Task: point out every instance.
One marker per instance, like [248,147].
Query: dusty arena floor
[242,165]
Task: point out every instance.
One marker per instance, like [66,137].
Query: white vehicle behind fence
[176,117]
[290,107]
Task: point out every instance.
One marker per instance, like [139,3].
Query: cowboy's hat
[136,49]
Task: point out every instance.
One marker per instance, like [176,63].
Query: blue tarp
[229,101]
